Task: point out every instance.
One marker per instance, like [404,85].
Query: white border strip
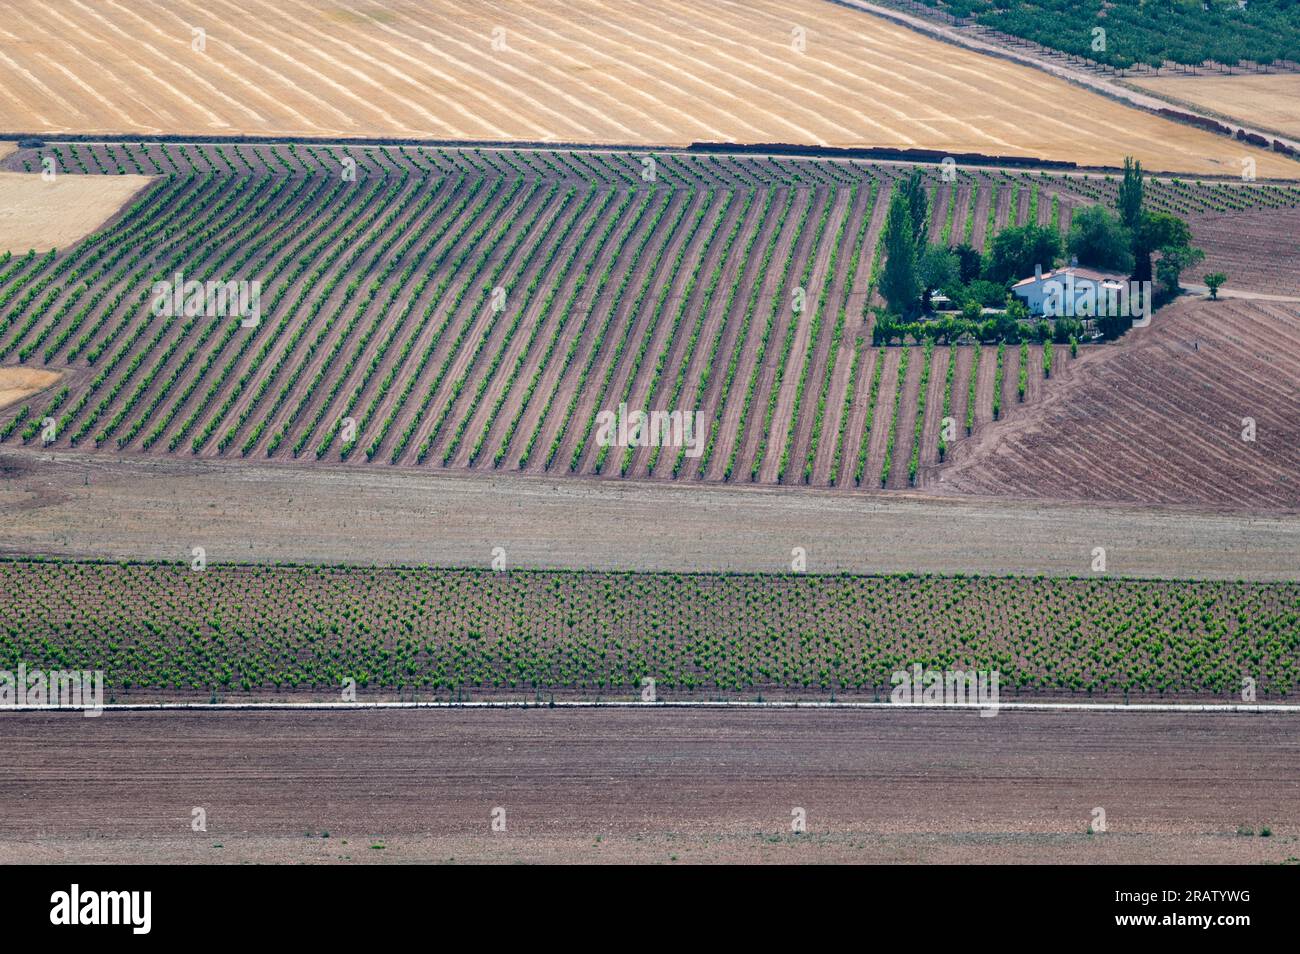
[667,704]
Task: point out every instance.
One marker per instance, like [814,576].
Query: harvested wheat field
[18,383]
[649,784]
[40,214]
[800,71]
[1270,101]
[1164,418]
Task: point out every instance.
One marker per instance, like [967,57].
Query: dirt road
[662,785]
[70,504]
[1226,293]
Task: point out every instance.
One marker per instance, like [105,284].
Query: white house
[1074,281]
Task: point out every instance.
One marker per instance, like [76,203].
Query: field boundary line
[878,154]
[685,148]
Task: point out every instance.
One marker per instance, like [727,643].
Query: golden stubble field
[1270,101]
[626,71]
[17,383]
[40,214]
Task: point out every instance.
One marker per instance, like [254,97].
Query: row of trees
[1012,326]
[1146,31]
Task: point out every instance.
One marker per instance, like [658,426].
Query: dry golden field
[18,383]
[1271,101]
[40,215]
[630,71]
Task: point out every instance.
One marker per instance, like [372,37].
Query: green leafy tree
[1173,262]
[969,261]
[1015,252]
[1172,238]
[1129,202]
[939,269]
[1160,230]
[886,328]
[913,190]
[1064,329]
[986,293]
[900,283]
[1213,281]
[1099,239]
[1129,205]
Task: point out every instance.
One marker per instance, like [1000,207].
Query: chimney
[1038,272]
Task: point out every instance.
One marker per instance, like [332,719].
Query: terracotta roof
[1091,274]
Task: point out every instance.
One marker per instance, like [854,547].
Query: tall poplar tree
[899,282]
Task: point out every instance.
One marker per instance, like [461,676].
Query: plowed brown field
[667,785]
[1258,250]
[1160,418]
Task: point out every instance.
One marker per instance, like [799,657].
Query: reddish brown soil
[734,407]
[664,785]
[677,348]
[906,420]
[934,406]
[881,422]
[853,434]
[940,198]
[817,360]
[961,390]
[1159,418]
[986,375]
[1257,250]
[593,399]
[805,351]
